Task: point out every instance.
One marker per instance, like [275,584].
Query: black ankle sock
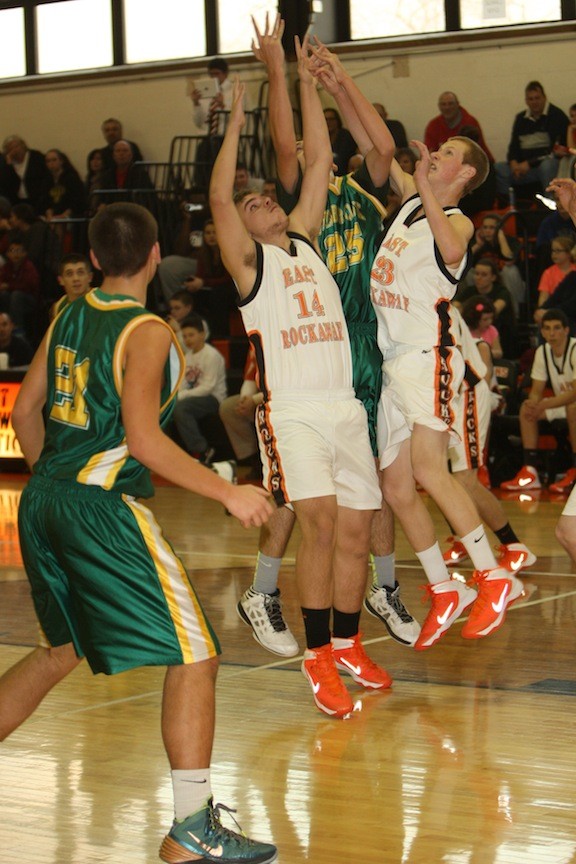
[317,627]
[506,535]
[345,624]
[531,457]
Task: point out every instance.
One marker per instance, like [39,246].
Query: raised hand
[423,163]
[324,57]
[267,46]
[304,59]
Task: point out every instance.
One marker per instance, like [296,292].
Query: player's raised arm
[451,234]
[267,47]
[306,217]
[237,247]
[366,126]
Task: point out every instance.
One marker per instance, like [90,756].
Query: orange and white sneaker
[566,484]
[350,657]
[456,553]
[449,599]
[526,478]
[515,556]
[330,694]
[497,589]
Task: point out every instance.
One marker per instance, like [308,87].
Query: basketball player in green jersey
[105,583]
[347,241]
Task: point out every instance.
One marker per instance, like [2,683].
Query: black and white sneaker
[263,613]
[385,604]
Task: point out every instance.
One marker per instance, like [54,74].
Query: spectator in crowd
[5,210]
[43,246]
[395,126]
[23,174]
[341,141]
[212,286]
[450,122]
[478,314]
[487,283]
[406,158]
[18,350]
[94,169]
[536,132]
[63,193]
[237,413]
[202,389]
[556,224]
[269,188]
[563,299]
[19,285]
[209,118]
[181,305]
[554,367]
[124,177]
[490,241]
[112,132]
[244,180]
[563,263]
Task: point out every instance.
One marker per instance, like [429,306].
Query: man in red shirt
[449,123]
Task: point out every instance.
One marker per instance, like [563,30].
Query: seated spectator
[202,389]
[95,167]
[112,131]
[23,174]
[43,246]
[124,177]
[209,117]
[75,277]
[244,180]
[341,141]
[556,224]
[554,367]
[450,122]
[19,286]
[563,299]
[478,313]
[486,282]
[490,241]
[19,351]
[567,153]
[63,192]
[406,158]
[535,134]
[237,413]
[484,197]
[181,306]
[5,227]
[563,263]
[395,126]
[212,286]
[269,188]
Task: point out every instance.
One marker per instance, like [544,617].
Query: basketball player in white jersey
[313,432]
[423,255]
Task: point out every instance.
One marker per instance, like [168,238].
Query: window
[501,13]
[163,31]
[13,53]
[373,20]
[75,34]
[235,31]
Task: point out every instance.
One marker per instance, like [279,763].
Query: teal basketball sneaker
[202,837]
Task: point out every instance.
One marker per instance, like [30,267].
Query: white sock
[433,564]
[479,550]
[191,789]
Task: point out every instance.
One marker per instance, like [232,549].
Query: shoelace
[328,672]
[398,606]
[220,831]
[274,612]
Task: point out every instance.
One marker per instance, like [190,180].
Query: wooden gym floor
[469,759]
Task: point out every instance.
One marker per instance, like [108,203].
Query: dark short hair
[25,212]
[183,296]
[74,258]
[556,315]
[534,85]
[121,237]
[15,237]
[218,63]
[194,321]
[488,262]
